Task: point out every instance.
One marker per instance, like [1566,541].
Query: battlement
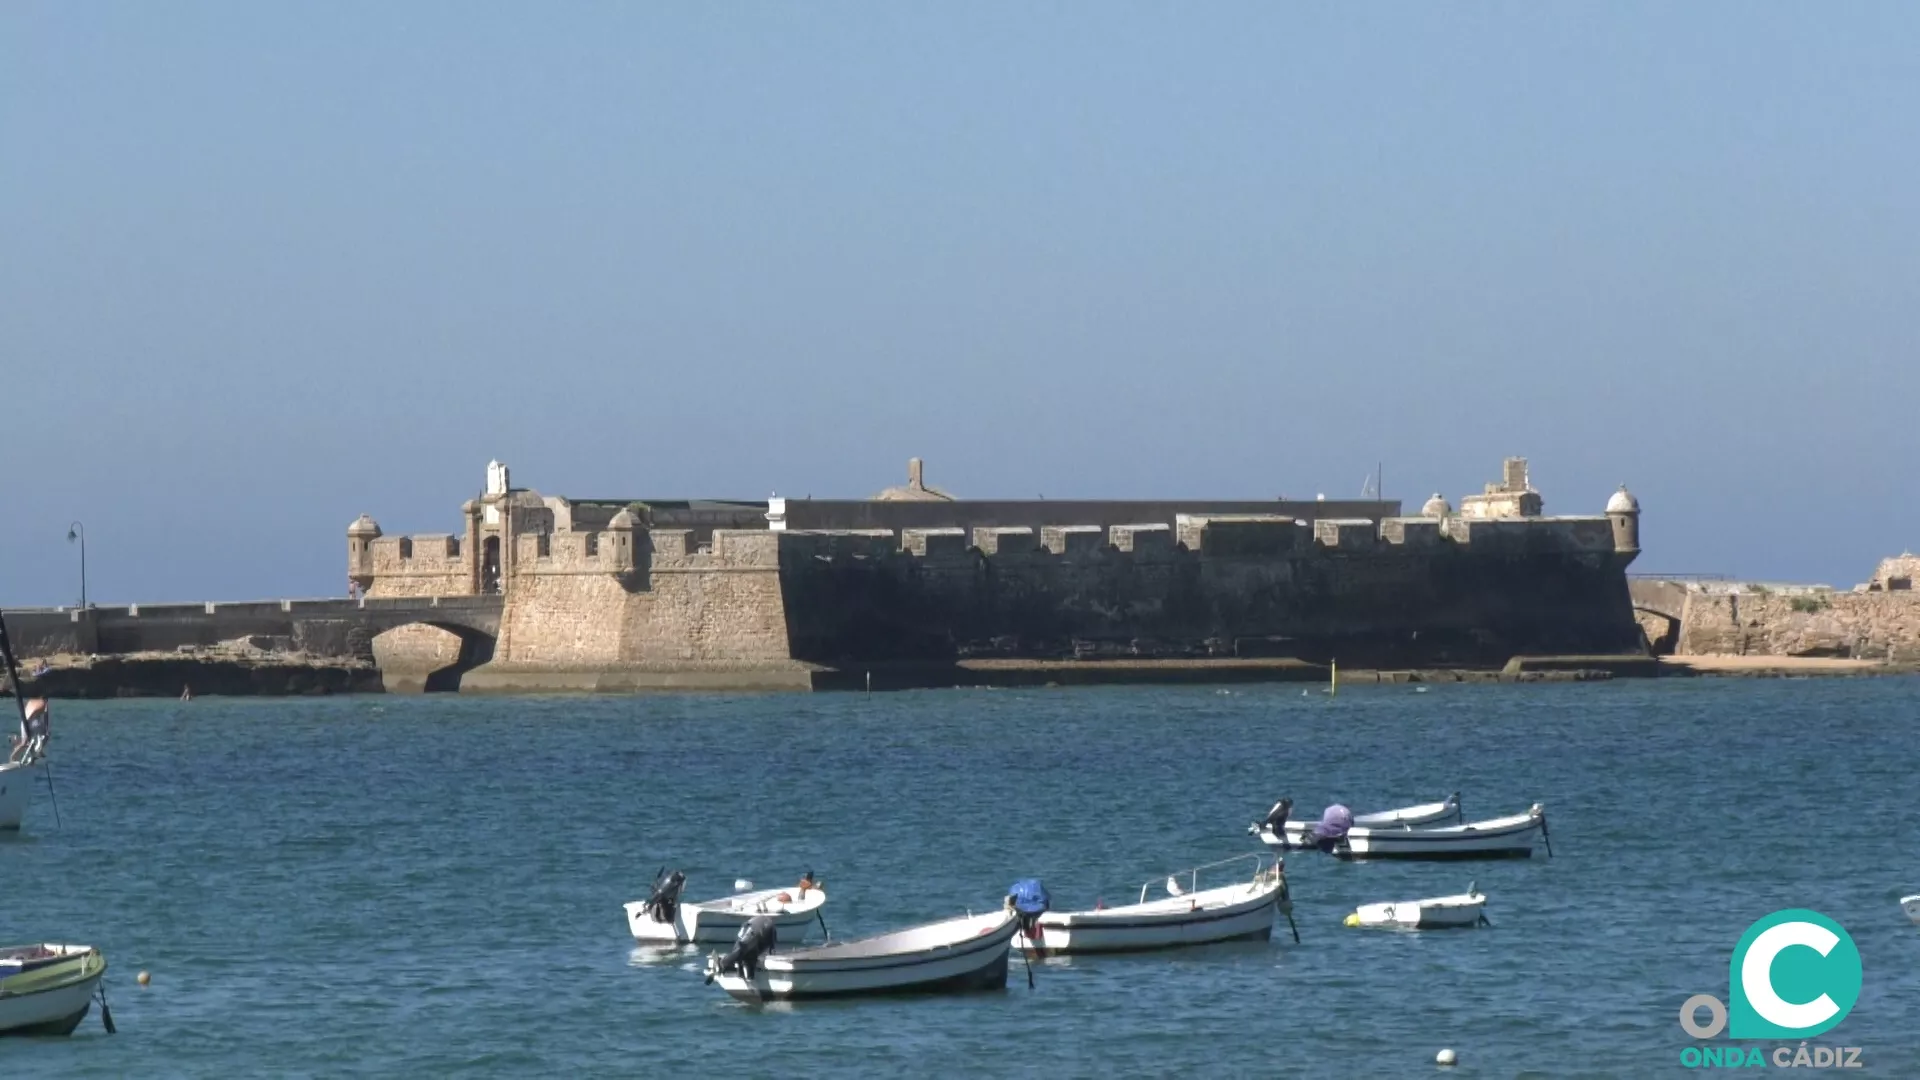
[1215,536]
[422,553]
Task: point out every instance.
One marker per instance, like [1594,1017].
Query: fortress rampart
[598,594]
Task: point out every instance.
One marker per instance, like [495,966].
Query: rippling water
[429,885]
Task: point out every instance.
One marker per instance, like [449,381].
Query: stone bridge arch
[428,656]
[426,645]
[1659,606]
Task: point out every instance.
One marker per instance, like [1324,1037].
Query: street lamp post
[77,531]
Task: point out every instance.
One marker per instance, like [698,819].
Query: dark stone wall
[1390,607]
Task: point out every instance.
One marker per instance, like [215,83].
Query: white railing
[1265,867]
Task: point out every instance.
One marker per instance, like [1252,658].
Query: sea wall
[1810,623]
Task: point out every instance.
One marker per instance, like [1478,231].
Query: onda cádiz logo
[1795,974]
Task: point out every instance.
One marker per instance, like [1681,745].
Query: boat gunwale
[815,963]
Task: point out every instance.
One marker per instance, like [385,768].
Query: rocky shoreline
[208,672]
[239,670]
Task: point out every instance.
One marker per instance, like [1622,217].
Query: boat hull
[1911,905]
[16,792]
[50,999]
[1420,914]
[978,964]
[1489,841]
[1148,927]
[720,920]
[1511,837]
[1299,834]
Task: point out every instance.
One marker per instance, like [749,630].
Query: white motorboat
[1911,905]
[1240,911]
[1299,834]
[664,919]
[16,793]
[1440,912]
[1510,837]
[48,989]
[952,956]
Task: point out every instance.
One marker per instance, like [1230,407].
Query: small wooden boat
[1299,834]
[48,989]
[664,919]
[1240,911]
[1440,912]
[1911,905]
[1509,837]
[952,956]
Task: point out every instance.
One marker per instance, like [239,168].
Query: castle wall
[432,564]
[1757,622]
[569,609]
[1249,585]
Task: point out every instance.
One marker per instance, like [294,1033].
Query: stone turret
[616,547]
[1436,507]
[360,537]
[1624,511]
[1513,497]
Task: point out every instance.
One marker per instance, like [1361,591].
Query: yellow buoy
[142,978]
[1351,920]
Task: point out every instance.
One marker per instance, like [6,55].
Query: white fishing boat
[664,919]
[1510,837]
[1299,834]
[1242,910]
[48,989]
[1911,905]
[1439,912]
[16,793]
[951,956]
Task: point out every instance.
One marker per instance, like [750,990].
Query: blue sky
[266,267]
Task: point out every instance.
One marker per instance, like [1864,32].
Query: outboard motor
[1029,901]
[664,902]
[1332,828]
[1276,820]
[756,940]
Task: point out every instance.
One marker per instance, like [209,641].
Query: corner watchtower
[1623,510]
[360,537]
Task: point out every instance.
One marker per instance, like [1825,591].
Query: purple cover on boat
[1334,823]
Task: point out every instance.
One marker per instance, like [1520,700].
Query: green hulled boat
[48,989]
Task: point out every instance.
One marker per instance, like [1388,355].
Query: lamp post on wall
[77,531]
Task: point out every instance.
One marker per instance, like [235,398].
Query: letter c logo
[1756,975]
[1794,974]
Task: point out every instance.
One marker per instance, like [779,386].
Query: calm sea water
[429,886]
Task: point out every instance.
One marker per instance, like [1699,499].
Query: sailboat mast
[13,675]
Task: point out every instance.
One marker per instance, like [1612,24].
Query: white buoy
[1445,1057]
[741,884]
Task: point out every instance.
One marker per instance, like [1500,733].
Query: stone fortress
[917,587]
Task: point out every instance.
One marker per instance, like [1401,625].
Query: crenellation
[1420,532]
[1241,535]
[934,542]
[1073,539]
[1142,539]
[1005,541]
[1346,534]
